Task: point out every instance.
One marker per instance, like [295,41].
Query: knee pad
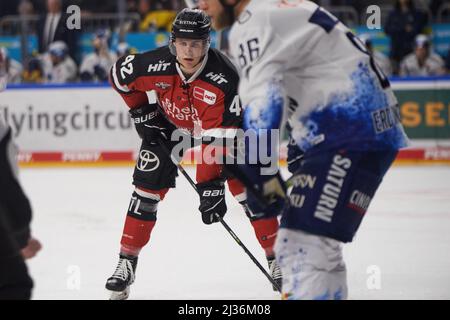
[142,206]
[141,218]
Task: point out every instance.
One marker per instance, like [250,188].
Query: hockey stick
[230,231]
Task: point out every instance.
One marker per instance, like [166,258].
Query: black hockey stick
[230,231]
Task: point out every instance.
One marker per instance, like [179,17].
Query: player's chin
[188,62]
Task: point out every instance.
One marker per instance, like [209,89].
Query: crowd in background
[411,51]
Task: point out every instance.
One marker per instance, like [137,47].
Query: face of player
[215,10]
[55,59]
[53,6]
[99,43]
[190,52]
[421,53]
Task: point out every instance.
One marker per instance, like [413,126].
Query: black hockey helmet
[191,24]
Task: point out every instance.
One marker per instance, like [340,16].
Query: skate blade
[119,295]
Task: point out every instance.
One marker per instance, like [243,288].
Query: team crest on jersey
[163,85]
[205,95]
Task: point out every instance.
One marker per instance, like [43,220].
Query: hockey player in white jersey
[303,70]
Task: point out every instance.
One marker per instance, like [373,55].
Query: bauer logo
[146,117]
[205,95]
[213,193]
[148,161]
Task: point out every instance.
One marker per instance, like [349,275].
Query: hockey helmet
[422,41]
[191,24]
[58,49]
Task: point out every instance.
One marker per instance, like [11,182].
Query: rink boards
[89,125]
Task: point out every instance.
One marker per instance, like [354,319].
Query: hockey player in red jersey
[185,86]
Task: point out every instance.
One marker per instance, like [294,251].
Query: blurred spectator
[95,66]
[423,62]
[154,16]
[403,25]
[25,8]
[52,27]
[33,71]
[3,76]
[123,49]
[10,68]
[382,61]
[58,66]
[447,62]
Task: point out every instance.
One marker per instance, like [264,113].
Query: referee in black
[16,243]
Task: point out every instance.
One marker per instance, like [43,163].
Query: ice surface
[79,214]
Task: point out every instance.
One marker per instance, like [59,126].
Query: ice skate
[275,272]
[119,283]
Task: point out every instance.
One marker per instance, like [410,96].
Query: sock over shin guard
[140,220]
[266,233]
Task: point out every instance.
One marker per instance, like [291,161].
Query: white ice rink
[79,215]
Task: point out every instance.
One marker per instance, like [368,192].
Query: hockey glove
[294,158]
[266,194]
[212,200]
[149,123]
[273,190]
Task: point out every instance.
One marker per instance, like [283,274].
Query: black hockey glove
[150,124]
[212,200]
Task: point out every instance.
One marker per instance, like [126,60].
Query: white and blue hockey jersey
[302,68]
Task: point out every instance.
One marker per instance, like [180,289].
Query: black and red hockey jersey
[206,104]
[208,99]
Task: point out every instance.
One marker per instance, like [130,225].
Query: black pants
[15,282]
